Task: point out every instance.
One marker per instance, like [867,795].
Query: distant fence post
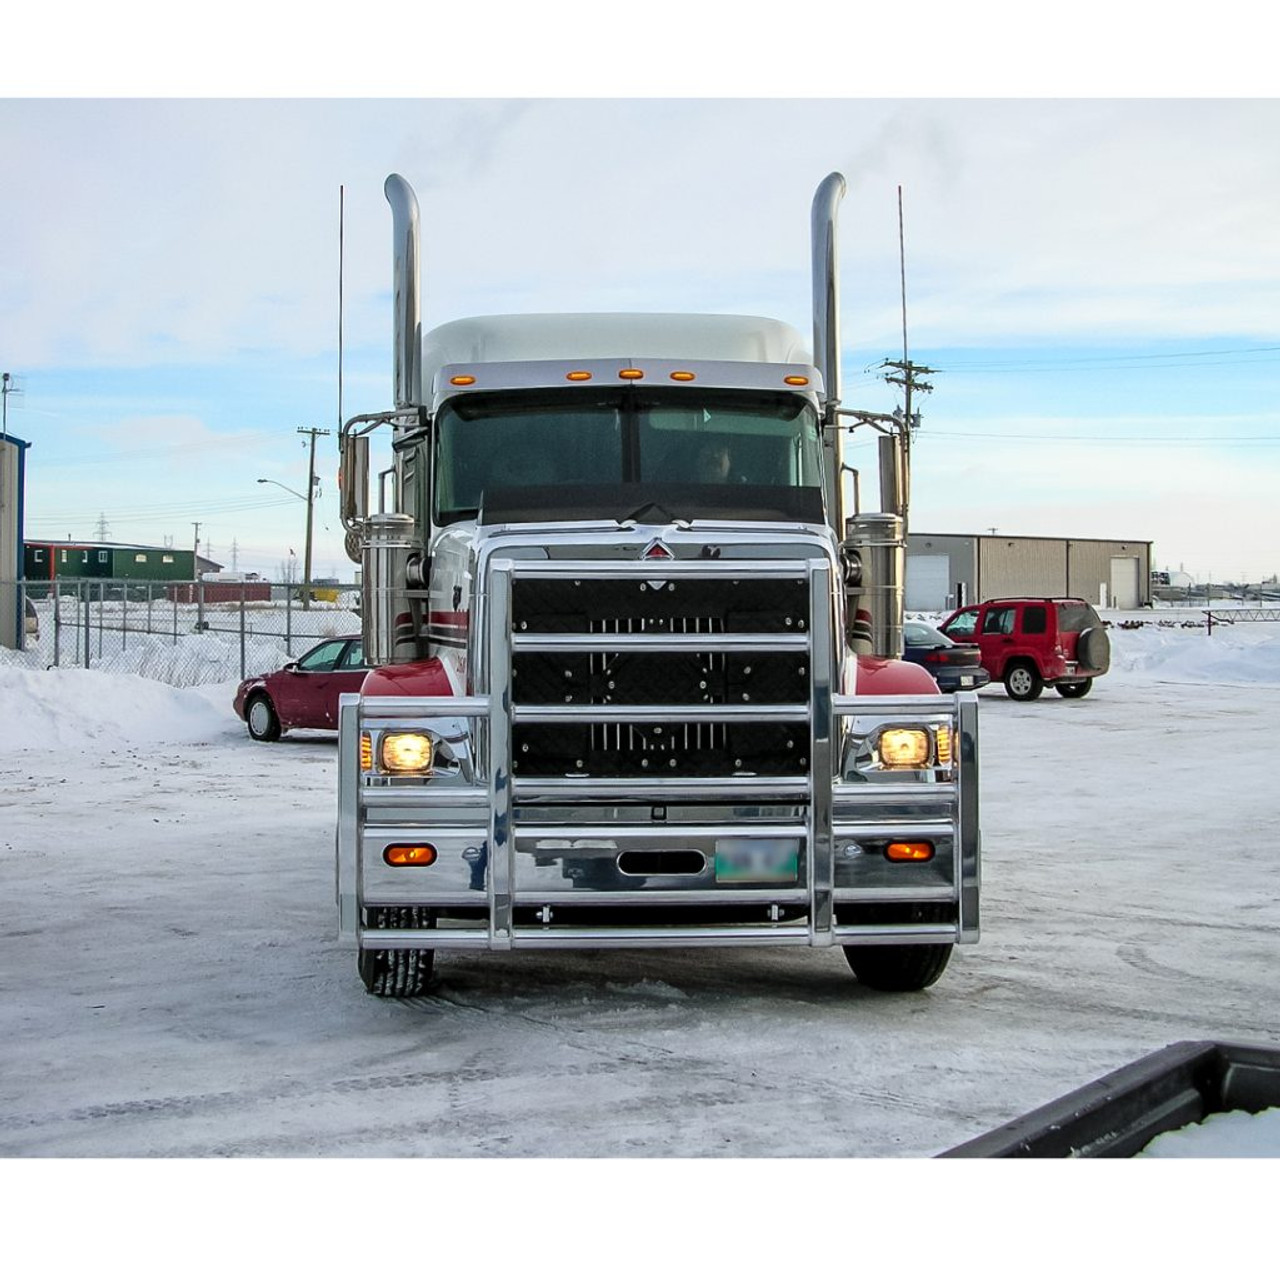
[57,625]
[288,620]
[83,588]
[242,621]
[124,617]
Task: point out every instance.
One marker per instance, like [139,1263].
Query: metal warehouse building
[947,570]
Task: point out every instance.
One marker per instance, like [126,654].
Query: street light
[306,563]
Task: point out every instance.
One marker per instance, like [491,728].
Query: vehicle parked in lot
[953,666]
[302,694]
[1031,643]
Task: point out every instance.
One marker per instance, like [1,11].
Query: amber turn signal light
[409,855]
[909,851]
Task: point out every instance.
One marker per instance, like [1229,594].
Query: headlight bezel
[869,753]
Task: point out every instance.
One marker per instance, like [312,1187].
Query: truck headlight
[905,748]
[405,753]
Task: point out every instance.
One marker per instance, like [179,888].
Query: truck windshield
[563,439]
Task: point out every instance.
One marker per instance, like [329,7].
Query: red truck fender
[426,679]
[883,676]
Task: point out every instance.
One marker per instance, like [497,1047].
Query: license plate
[747,860]
[966,680]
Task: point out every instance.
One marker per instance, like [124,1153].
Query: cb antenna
[341,242]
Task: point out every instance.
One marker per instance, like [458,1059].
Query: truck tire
[1076,689]
[1022,682]
[899,968]
[261,719]
[398,974]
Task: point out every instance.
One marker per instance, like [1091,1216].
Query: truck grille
[642,675]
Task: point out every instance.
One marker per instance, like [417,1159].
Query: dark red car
[302,694]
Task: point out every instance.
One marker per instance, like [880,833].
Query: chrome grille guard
[835,812]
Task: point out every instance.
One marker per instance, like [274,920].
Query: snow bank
[71,707]
[68,706]
[1224,1133]
[1179,649]
[1240,653]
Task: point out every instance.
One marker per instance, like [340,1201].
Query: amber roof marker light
[462,380]
[682,375]
[578,375]
[631,375]
[796,380]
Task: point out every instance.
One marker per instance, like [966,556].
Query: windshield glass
[552,438]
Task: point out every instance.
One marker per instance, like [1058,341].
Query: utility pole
[195,577]
[7,388]
[905,377]
[312,481]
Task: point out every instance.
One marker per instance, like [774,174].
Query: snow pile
[182,692]
[71,707]
[1241,653]
[1224,1133]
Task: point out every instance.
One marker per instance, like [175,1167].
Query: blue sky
[1095,280]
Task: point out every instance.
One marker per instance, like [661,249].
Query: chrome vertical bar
[347,853]
[821,759]
[501,844]
[968,826]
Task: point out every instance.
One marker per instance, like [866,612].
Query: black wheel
[1076,689]
[397,973]
[899,968]
[260,716]
[1022,682]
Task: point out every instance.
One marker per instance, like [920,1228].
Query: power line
[1139,360]
[948,434]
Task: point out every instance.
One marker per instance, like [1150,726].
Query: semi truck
[635,677]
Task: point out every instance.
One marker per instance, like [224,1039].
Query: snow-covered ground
[173,986]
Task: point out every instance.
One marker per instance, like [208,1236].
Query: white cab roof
[608,335]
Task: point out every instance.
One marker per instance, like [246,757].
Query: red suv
[1032,643]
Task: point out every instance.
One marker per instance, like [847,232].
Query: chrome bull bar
[493,818]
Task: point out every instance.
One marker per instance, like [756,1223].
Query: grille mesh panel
[713,607]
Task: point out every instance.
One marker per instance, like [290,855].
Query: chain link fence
[183,633]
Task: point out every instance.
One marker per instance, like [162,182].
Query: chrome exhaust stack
[386,543]
[826,289]
[407,340]
[874,544]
